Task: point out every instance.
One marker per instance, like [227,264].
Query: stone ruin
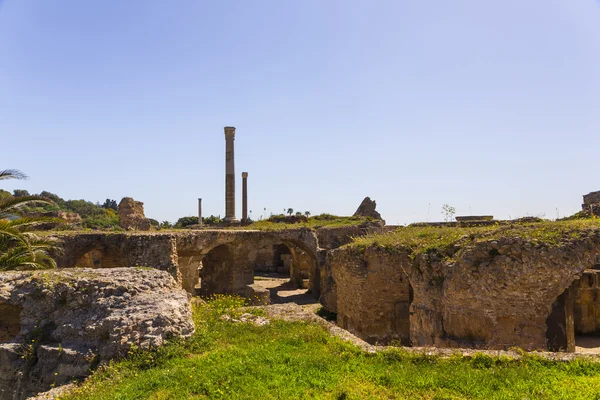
[591,203]
[491,294]
[367,209]
[131,215]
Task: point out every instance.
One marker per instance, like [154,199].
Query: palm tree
[290,211]
[20,248]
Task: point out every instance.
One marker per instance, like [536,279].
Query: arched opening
[586,311]
[574,322]
[559,324]
[10,322]
[284,269]
[217,272]
[273,259]
[97,258]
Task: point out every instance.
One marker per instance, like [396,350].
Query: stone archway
[98,258]
[273,259]
[217,271]
[284,269]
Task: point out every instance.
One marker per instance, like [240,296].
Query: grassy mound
[426,239]
[285,360]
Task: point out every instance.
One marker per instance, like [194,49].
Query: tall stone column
[200,211]
[229,175]
[244,197]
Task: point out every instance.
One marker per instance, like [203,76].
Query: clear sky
[492,107]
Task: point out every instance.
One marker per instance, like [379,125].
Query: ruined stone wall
[117,250]
[373,295]
[591,198]
[491,294]
[591,203]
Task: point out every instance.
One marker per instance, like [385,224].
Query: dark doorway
[560,334]
[216,273]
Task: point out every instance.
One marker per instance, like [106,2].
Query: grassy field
[285,360]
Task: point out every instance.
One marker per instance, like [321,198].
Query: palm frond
[27,223]
[34,256]
[14,203]
[12,174]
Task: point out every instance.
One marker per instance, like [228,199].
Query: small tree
[109,203]
[448,212]
[298,214]
[307,213]
[20,193]
[290,211]
[186,221]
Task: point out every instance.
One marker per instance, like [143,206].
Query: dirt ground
[282,291]
[587,345]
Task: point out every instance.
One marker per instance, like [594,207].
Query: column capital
[244,174]
[229,132]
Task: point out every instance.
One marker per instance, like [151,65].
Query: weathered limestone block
[367,209]
[71,320]
[257,295]
[131,215]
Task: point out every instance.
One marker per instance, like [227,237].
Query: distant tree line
[93,215]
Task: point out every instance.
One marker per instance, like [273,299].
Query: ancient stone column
[229,175]
[200,211]
[244,197]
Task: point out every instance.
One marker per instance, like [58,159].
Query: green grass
[443,239]
[318,221]
[285,360]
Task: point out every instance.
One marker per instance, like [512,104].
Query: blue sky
[491,107]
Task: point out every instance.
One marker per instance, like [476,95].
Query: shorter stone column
[244,197]
[200,211]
